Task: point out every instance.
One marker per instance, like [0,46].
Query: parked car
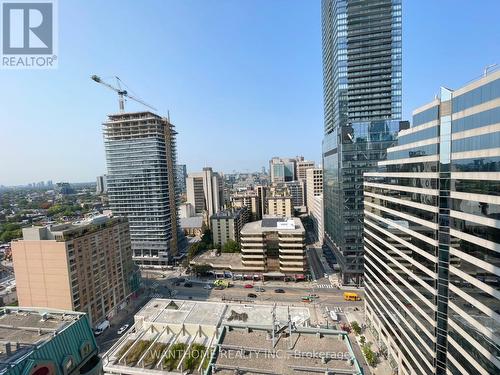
[248,286]
[219,287]
[122,329]
[252,295]
[187,284]
[260,289]
[207,286]
[181,279]
[279,291]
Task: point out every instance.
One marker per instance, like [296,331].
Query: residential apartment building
[298,192]
[314,194]
[249,199]
[205,191]
[141,158]
[101,185]
[432,238]
[279,201]
[274,245]
[226,225]
[85,266]
[362,101]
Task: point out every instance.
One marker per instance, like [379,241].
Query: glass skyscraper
[362,99]
[432,237]
[141,161]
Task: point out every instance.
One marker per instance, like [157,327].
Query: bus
[348,296]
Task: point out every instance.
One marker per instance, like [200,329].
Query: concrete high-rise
[362,101]
[85,266]
[205,191]
[101,185]
[141,158]
[432,237]
[314,201]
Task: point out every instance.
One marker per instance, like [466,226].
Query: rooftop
[274,224]
[191,222]
[22,330]
[228,214]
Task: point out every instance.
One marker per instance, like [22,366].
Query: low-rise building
[274,245]
[85,266]
[226,225]
[179,336]
[47,342]
[193,226]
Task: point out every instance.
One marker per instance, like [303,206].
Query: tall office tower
[141,157]
[362,99]
[432,237]
[86,266]
[205,191]
[101,184]
[181,172]
[282,169]
[302,167]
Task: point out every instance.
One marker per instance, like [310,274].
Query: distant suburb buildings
[362,105]
[141,158]
[85,267]
[432,237]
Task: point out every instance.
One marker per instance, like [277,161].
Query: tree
[231,246]
[371,357]
[362,340]
[356,328]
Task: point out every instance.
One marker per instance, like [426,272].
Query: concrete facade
[205,191]
[274,244]
[83,267]
[279,202]
[226,225]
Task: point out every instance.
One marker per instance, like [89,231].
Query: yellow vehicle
[221,282]
[348,296]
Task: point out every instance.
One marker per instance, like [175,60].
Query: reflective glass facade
[141,162]
[362,94]
[432,238]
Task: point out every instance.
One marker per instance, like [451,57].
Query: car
[260,289]
[325,275]
[248,286]
[279,290]
[177,283]
[122,329]
[207,286]
[181,279]
[219,287]
[187,284]
[313,295]
[252,295]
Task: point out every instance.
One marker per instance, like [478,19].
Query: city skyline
[227,102]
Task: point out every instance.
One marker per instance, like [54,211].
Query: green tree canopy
[231,246]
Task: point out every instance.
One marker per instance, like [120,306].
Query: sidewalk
[382,368]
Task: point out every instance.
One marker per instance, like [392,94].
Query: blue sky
[242,78]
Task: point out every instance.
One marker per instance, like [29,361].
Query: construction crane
[122,94]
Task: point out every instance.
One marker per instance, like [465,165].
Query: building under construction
[141,158]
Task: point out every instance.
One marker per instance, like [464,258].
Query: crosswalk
[324,286]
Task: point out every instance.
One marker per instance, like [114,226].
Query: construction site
[193,337]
